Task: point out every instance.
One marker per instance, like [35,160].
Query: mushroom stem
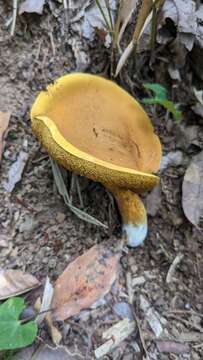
[133,215]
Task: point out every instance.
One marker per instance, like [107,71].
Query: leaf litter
[32,6]
[84,281]
[16,282]
[4,121]
[16,171]
[192,191]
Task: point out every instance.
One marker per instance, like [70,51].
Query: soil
[44,235]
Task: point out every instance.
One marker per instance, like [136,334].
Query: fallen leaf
[173,158]
[84,281]
[16,170]
[15,282]
[172,347]
[192,191]
[92,18]
[31,6]
[186,16]
[46,352]
[14,334]
[4,121]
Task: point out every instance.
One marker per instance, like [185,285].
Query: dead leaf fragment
[44,308]
[192,191]
[127,9]
[172,347]
[16,170]
[114,336]
[84,281]
[31,6]
[4,121]
[46,352]
[15,282]
[46,301]
[4,240]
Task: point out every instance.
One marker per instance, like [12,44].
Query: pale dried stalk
[173,267]
[15,9]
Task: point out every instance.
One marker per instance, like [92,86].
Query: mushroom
[94,128]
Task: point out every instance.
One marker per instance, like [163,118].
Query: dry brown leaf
[192,191]
[16,282]
[4,121]
[84,281]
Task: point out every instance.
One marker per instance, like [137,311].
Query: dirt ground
[44,236]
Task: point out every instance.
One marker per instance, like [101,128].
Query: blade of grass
[64,193]
[103,15]
[109,13]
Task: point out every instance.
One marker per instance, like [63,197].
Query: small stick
[52,43]
[15,8]
[173,266]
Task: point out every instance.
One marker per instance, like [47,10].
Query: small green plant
[160,98]
[15,333]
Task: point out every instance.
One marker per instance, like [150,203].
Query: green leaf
[160,92]
[160,97]
[14,334]
[171,107]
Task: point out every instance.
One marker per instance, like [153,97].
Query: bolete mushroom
[94,128]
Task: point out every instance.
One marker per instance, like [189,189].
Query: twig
[15,9]
[183,312]
[141,337]
[173,266]
[186,322]
[52,43]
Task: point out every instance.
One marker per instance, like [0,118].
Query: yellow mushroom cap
[96,129]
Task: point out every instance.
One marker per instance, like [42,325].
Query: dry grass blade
[126,10]
[15,9]
[64,193]
[147,13]
[108,25]
[144,18]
